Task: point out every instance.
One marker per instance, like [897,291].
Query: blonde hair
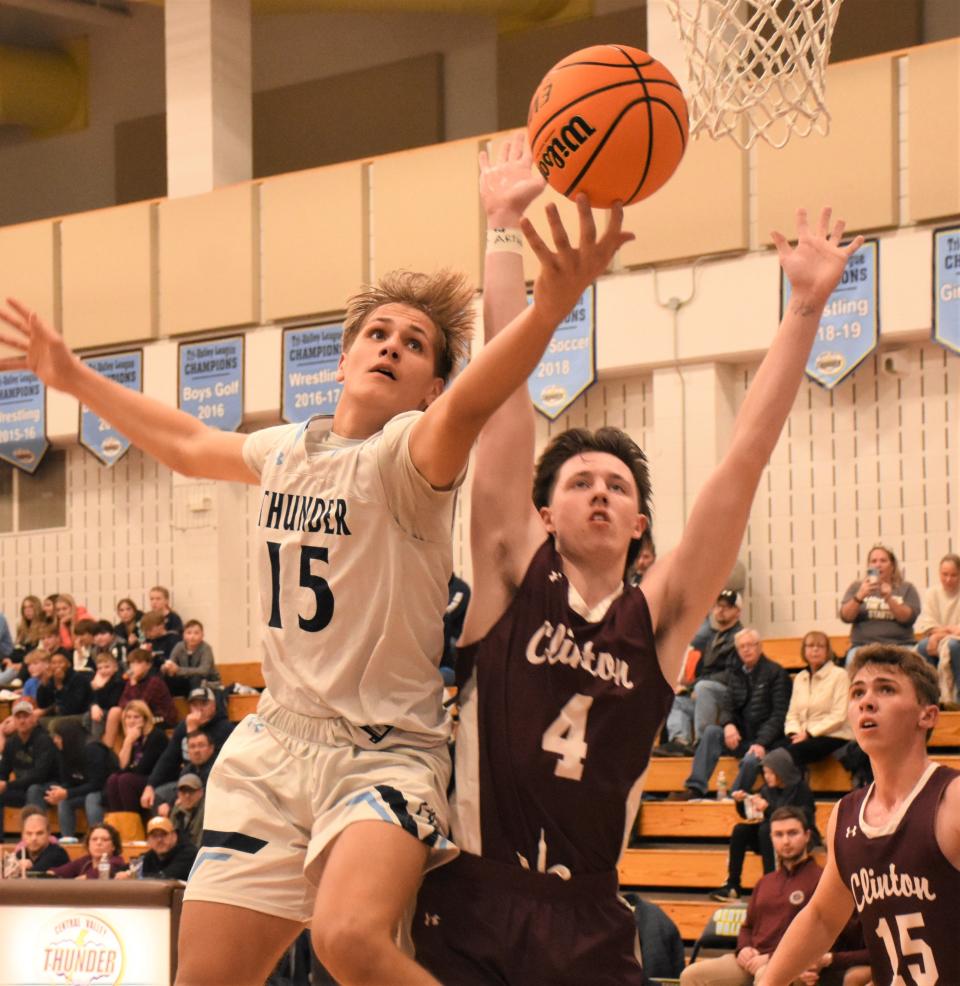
[444,297]
[141,707]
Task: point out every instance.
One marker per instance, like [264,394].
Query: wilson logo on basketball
[571,138]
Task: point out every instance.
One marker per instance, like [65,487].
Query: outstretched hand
[510,185]
[814,266]
[39,348]
[567,270]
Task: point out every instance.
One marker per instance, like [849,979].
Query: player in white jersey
[546,778]
[327,805]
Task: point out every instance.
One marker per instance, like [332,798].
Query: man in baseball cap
[168,858]
[30,756]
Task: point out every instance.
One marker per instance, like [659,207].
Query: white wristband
[503,240]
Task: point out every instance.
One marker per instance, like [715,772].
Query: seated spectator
[127,628]
[145,686]
[106,688]
[783,785]
[37,850]
[29,761]
[939,627]
[6,639]
[646,556]
[169,856]
[28,626]
[69,612]
[776,900]
[83,646]
[816,722]
[156,638]
[752,714]
[698,706]
[101,840]
[185,753]
[882,607]
[187,811]
[159,598]
[66,693]
[143,745]
[84,766]
[50,640]
[661,946]
[49,607]
[190,664]
[106,640]
[38,665]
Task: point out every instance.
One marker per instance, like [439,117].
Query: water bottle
[103,868]
[722,787]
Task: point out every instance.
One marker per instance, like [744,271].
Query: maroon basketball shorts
[479,922]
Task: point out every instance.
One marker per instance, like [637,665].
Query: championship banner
[96,435]
[23,419]
[569,366]
[946,287]
[210,381]
[850,325]
[310,359]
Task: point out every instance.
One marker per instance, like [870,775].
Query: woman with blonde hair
[69,611]
[141,749]
[25,639]
[816,722]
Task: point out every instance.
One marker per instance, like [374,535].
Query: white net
[757,68]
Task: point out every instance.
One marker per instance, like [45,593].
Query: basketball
[610,121]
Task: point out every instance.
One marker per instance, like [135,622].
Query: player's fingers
[854,245]
[13,363]
[484,158]
[539,248]
[20,308]
[824,225]
[588,228]
[557,229]
[780,242]
[837,233]
[516,145]
[14,323]
[803,225]
[527,153]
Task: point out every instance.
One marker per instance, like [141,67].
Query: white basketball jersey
[354,556]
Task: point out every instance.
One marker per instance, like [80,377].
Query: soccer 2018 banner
[210,381]
[850,325]
[569,366]
[23,420]
[946,287]
[310,359]
[96,434]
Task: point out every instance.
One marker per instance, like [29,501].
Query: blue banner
[310,359]
[569,366]
[97,435]
[23,420]
[946,287]
[210,381]
[850,325]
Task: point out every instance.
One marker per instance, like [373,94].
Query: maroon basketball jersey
[904,888]
[558,723]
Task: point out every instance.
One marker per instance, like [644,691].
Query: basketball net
[757,68]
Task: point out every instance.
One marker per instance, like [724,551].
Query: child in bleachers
[83,646]
[156,638]
[128,625]
[142,685]
[190,664]
[66,693]
[783,785]
[105,639]
[105,689]
[38,664]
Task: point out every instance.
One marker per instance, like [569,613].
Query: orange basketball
[610,121]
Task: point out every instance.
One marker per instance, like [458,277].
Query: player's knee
[349,945]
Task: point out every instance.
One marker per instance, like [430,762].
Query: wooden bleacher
[786,650]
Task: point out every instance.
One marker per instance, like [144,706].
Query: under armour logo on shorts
[431,920]
[555,576]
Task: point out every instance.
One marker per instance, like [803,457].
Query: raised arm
[171,436]
[504,526]
[814,930]
[441,440]
[681,587]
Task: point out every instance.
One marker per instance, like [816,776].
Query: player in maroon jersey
[896,844]
[573,669]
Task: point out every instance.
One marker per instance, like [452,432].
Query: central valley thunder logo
[80,950]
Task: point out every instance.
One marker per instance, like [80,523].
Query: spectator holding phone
[882,607]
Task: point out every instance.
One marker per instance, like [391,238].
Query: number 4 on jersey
[565,736]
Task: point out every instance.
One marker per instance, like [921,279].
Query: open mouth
[867,724]
[600,516]
[384,371]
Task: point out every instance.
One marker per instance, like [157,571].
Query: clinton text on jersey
[557,646]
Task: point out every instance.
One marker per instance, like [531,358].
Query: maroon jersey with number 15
[904,888]
[558,717]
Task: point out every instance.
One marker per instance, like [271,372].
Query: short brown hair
[140,655]
[193,623]
[151,620]
[29,810]
[84,626]
[162,589]
[907,661]
[444,297]
[576,441]
[786,812]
